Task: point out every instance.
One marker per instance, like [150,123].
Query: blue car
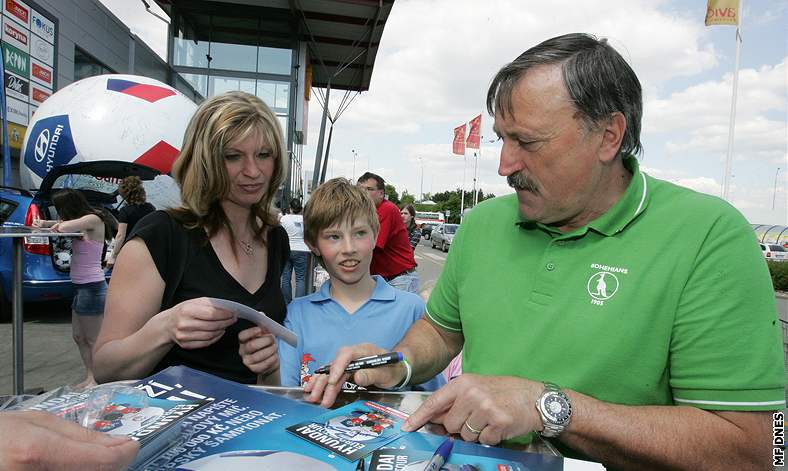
[46,260]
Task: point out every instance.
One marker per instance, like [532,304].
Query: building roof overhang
[343,35]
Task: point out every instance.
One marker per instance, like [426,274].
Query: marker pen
[441,456]
[373,361]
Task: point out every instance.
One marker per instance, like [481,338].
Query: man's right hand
[325,388]
[34,441]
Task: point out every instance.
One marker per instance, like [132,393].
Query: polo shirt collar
[382,292]
[632,203]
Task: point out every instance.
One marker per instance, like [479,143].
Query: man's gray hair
[598,79]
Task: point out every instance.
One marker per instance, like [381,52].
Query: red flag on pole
[474,133]
[458,146]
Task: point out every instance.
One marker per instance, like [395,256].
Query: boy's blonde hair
[200,168]
[334,202]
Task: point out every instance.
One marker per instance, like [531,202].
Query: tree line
[447,201]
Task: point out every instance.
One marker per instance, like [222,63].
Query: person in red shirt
[393,257]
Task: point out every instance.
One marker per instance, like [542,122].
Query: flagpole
[476,173]
[726,184]
[462,200]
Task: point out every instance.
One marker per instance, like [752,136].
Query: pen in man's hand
[373,361]
[441,456]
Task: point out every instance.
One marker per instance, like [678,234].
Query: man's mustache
[519,182]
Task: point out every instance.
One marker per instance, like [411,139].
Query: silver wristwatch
[555,409]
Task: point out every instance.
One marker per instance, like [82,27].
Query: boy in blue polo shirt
[340,227]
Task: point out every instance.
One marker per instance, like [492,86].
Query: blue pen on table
[373,361]
[441,456]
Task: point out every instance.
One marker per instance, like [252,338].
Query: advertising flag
[458,146]
[722,12]
[474,133]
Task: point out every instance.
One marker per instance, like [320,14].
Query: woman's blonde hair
[200,168]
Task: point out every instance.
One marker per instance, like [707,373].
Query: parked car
[47,259]
[443,235]
[426,230]
[774,252]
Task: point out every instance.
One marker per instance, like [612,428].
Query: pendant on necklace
[247,247]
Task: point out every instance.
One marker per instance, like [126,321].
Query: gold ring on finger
[473,430]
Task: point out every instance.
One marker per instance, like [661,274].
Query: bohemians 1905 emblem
[602,286]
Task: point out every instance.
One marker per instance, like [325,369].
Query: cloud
[697,118]
[437,67]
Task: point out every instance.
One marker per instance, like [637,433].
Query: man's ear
[612,136]
[314,249]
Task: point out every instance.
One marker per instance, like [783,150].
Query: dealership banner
[458,146]
[42,26]
[16,87]
[14,35]
[722,12]
[29,42]
[17,11]
[474,133]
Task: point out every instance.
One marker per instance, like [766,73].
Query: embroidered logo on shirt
[306,359]
[603,284]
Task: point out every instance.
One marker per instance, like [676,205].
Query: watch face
[556,408]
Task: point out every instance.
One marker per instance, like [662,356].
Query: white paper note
[257,317]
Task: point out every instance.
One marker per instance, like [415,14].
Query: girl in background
[87,275]
[408,213]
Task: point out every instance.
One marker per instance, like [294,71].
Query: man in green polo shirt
[630,319]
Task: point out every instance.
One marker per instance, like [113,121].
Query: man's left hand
[487,409]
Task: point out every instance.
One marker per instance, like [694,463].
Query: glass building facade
[243,52]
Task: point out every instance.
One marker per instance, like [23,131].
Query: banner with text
[474,133]
[458,146]
[722,12]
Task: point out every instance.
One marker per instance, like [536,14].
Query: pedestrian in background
[408,213]
[132,191]
[90,287]
[293,222]
[393,257]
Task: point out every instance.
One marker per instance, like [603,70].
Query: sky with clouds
[437,57]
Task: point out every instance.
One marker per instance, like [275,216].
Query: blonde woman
[224,241]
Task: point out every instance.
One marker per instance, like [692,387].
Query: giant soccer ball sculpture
[108,117]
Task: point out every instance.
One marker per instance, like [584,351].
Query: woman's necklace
[247,247]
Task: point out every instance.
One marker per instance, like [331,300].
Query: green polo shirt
[664,299]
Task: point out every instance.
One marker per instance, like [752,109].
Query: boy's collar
[382,292]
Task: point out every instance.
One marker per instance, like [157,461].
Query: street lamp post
[421,188]
[355,154]
[774,193]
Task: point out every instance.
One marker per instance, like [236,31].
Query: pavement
[51,358]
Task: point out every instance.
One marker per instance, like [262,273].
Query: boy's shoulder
[303,304]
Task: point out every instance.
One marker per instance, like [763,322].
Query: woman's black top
[132,213]
[196,272]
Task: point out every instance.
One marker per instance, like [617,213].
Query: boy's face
[346,250]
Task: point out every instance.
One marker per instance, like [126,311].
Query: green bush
[779,271]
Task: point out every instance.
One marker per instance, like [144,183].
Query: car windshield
[777,248]
[450,228]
